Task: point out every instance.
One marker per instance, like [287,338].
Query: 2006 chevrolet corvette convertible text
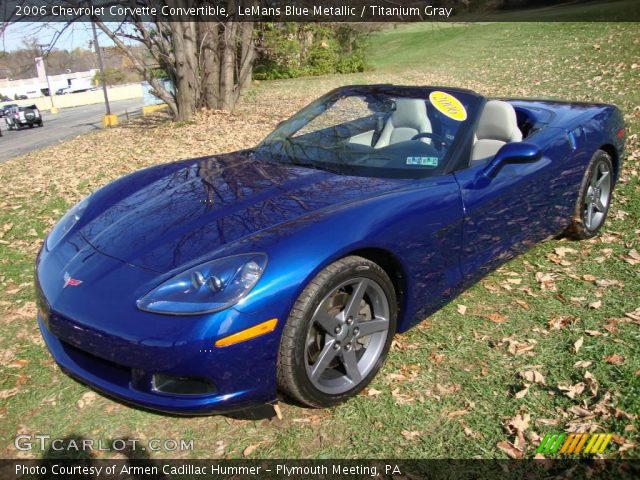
[207,285]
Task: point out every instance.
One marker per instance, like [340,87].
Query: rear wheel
[594,198]
[338,333]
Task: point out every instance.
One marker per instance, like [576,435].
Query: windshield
[383,131]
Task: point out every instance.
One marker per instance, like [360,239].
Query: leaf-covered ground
[547,343]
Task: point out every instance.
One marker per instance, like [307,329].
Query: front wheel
[338,333]
[594,197]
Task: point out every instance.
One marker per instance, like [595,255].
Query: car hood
[163,218]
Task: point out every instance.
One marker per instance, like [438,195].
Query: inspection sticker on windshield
[448,105]
[423,161]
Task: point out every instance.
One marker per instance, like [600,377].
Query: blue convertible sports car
[207,285]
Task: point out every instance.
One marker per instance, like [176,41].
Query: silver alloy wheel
[346,335]
[598,196]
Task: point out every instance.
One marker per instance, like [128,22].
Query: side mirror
[516,152]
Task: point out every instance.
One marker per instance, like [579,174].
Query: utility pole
[99,54]
[44,67]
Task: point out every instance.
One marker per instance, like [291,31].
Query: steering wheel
[443,141]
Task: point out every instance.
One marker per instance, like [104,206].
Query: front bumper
[97,335]
[125,384]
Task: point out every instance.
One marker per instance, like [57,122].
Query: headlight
[210,287]
[66,223]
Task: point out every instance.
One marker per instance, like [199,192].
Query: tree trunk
[247,53]
[227,64]
[209,42]
[186,67]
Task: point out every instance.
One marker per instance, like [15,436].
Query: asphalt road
[69,123]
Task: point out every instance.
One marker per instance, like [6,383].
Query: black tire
[579,228]
[40,123]
[293,378]
[31,125]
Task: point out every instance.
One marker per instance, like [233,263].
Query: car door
[507,214]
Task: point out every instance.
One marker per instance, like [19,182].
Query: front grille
[105,369]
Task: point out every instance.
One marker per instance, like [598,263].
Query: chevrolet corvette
[211,284]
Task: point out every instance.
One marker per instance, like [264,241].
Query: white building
[33,87]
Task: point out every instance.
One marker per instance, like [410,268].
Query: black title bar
[88,468]
[318,10]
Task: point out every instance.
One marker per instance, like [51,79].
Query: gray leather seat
[408,119]
[497,125]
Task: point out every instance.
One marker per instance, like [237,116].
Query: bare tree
[207,62]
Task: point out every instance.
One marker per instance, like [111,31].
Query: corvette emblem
[70,282]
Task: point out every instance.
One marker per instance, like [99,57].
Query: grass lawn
[547,343]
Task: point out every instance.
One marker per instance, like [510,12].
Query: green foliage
[160,73]
[288,50]
[116,76]
[112,76]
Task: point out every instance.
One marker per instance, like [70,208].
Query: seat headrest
[410,113]
[498,122]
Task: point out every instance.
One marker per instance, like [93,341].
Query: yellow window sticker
[448,105]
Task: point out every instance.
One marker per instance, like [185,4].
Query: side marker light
[249,333]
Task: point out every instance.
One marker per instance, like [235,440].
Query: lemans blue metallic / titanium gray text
[208,285]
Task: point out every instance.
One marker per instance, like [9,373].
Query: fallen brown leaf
[532,376]
[580,411]
[633,257]
[411,435]
[559,322]
[496,317]
[510,449]
[87,399]
[401,398]
[594,333]
[250,449]
[523,393]
[447,389]
[519,423]
[19,363]
[614,359]
[457,413]
[635,315]
[592,383]
[572,390]
[4,394]
[562,251]
[469,432]
[582,364]
[437,358]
